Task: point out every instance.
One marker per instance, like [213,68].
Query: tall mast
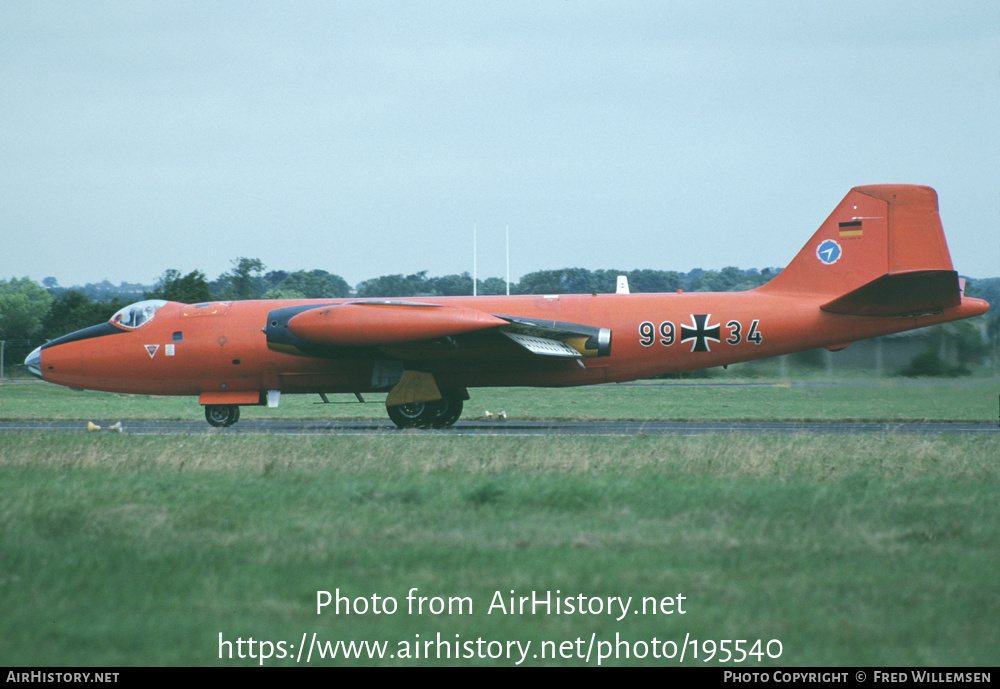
[508,260]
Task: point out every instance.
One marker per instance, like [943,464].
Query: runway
[509,428]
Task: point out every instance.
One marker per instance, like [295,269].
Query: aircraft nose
[34,362]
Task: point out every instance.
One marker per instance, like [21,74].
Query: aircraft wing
[415,330]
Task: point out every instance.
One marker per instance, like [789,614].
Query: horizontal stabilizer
[901,294]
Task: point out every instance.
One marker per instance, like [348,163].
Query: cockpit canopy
[137,315]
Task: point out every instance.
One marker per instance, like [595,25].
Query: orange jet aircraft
[878,265]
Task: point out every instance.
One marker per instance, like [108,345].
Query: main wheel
[220,415]
[438,414]
[447,412]
[407,415]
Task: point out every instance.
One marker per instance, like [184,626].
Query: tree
[385,286]
[314,284]
[452,285]
[988,289]
[189,289]
[282,294]
[415,285]
[654,281]
[245,281]
[493,286]
[72,310]
[563,281]
[605,281]
[728,279]
[23,306]
[275,278]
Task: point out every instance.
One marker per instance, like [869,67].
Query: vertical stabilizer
[880,245]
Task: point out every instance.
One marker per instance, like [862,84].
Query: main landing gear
[438,414]
[222,415]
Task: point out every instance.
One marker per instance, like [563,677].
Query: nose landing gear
[222,415]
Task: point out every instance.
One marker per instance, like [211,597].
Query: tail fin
[881,252]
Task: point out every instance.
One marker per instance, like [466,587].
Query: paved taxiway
[509,428]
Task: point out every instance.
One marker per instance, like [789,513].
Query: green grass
[970,399]
[851,550]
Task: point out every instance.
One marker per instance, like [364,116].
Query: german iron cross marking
[700,333]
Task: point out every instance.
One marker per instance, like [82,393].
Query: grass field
[893,399]
[871,550]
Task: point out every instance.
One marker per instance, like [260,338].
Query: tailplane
[881,252]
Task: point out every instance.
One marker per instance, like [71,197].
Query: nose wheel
[222,415]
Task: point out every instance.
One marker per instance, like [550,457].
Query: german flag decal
[850,229]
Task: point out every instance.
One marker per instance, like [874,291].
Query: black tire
[407,415]
[222,415]
[438,414]
[447,412]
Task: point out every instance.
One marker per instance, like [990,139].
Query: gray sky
[369,138]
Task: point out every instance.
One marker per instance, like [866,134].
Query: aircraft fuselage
[222,346]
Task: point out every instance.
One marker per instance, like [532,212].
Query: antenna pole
[508,260]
